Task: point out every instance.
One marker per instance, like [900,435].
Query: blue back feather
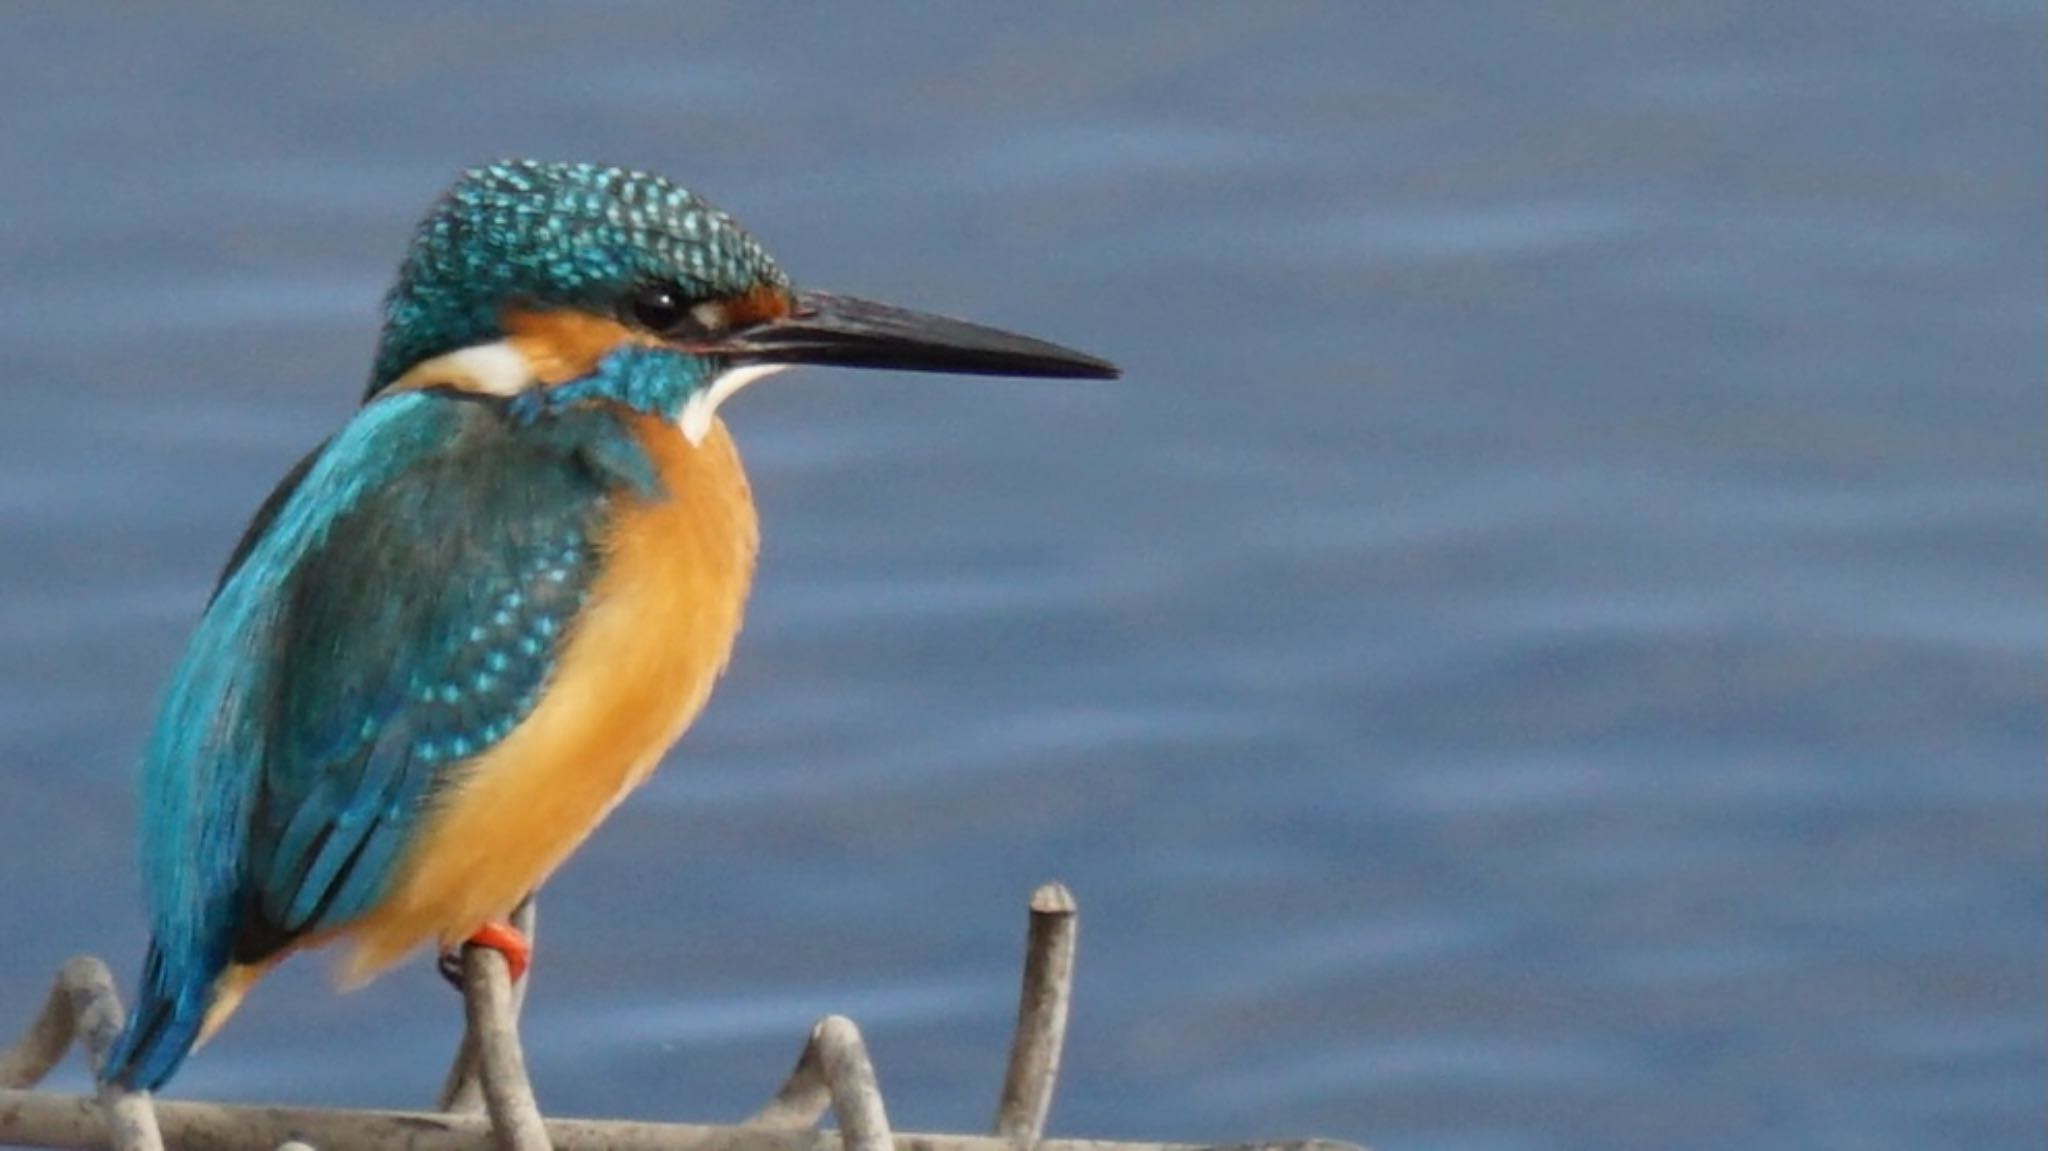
[397,614]
[396,605]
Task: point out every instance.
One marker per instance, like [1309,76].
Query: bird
[462,629]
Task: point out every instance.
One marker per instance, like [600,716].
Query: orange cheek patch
[566,345]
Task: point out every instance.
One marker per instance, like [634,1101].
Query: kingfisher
[466,626]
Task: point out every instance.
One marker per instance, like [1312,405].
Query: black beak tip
[1064,364]
[1087,367]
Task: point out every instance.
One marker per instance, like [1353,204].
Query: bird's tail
[169,1019]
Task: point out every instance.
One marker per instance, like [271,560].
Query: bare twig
[131,1119]
[834,1071]
[463,1089]
[49,1036]
[508,1095]
[1042,1005]
[83,1006]
[856,1097]
[804,1097]
[46,1119]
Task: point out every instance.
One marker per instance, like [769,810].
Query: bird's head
[562,284]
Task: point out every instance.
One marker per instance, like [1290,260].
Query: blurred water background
[1544,649]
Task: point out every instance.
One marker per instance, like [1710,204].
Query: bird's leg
[507,941]
[502,938]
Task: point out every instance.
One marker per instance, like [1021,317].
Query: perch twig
[804,1097]
[833,1071]
[501,1065]
[1042,1004]
[48,1036]
[46,1119]
[463,1089]
[856,1097]
[83,1006]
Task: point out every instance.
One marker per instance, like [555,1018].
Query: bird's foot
[502,938]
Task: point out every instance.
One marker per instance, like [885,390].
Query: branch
[490,1061]
[1042,1005]
[834,1070]
[489,1101]
[805,1096]
[83,1006]
[74,1121]
[463,1089]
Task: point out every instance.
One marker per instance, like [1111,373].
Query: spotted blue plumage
[397,604]
[558,235]
[386,622]
[400,602]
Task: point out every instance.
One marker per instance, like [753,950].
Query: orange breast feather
[636,668]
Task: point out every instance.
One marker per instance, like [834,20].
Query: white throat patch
[501,369]
[702,405]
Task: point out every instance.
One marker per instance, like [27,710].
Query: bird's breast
[636,667]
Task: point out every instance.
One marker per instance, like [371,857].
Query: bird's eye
[658,308]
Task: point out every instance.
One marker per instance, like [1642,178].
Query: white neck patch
[702,405]
[496,369]
[501,369]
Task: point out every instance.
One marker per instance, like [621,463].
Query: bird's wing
[398,613]
[259,524]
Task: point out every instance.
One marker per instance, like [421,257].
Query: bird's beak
[822,328]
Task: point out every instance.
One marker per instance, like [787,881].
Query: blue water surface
[1543,649]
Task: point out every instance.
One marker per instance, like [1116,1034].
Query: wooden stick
[1042,1005]
[48,1119]
[833,1071]
[49,1035]
[131,1119]
[856,1097]
[83,1006]
[805,1096]
[463,1088]
[501,1065]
